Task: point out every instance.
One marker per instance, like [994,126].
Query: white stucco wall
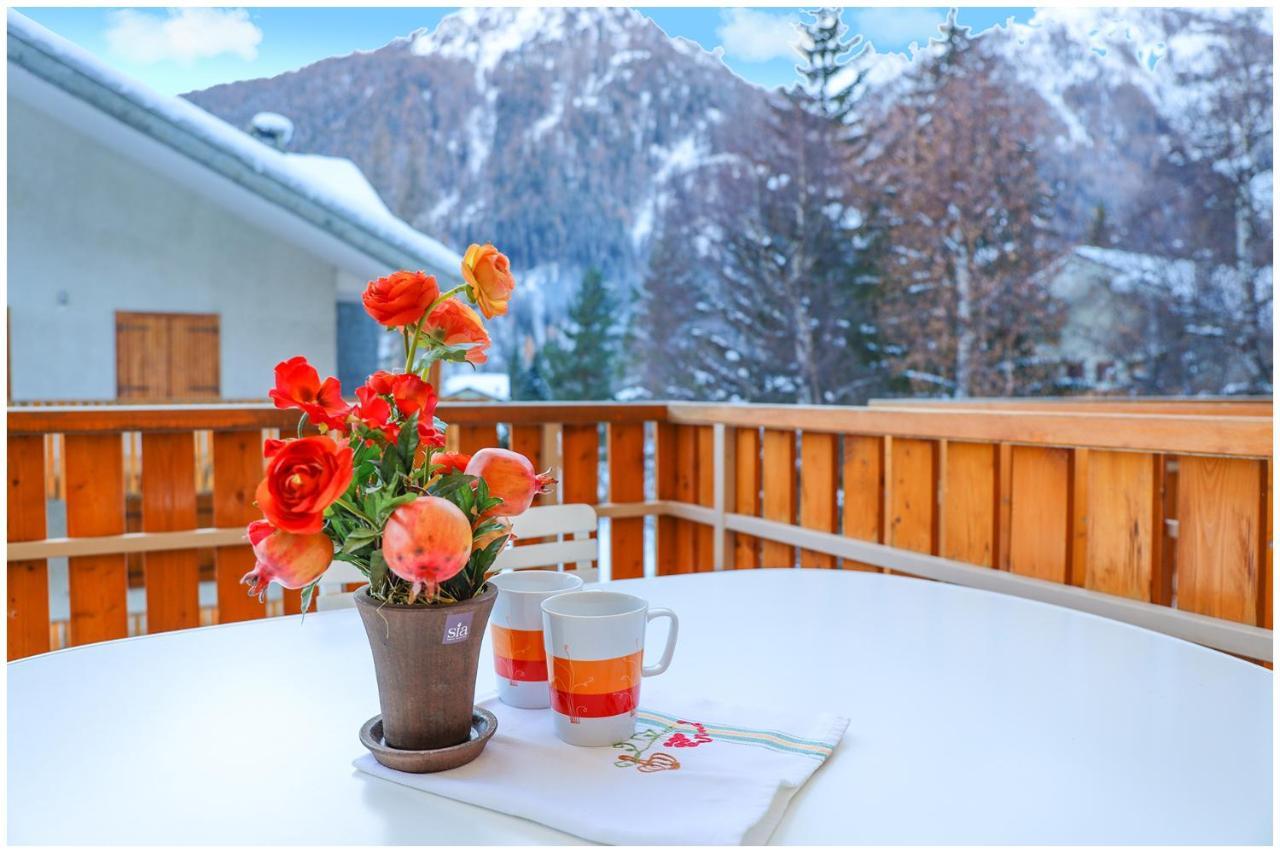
[111,235]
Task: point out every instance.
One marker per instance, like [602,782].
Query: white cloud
[893,29]
[182,35]
[755,36]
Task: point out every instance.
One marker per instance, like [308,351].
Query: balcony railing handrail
[1232,435]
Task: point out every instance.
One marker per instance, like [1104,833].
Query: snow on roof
[322,190]
[340,176]
[494,386]
[1132,270]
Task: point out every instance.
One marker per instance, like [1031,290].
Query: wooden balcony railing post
[95,507]
[862,473]
[724,452]
[169,503]
[745,493]
[626,485]
[778,479]
[28,580]
[237,469]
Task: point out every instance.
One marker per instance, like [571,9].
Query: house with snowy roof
[1105,293]
[158,253]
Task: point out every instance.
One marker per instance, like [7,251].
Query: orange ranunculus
[400,299]
[488,273]
[304,477]
[450,462]
[413,396]
[453,323]
[298,386]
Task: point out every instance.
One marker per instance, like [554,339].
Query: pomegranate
[510,477]
[290,559]
[426,543]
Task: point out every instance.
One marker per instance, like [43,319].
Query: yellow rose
[488,273]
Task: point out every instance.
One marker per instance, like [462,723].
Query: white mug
[595,648]
[519,653]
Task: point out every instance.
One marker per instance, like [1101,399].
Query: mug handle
[665,661]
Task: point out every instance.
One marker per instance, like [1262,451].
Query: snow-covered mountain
[556,133]
[551,132]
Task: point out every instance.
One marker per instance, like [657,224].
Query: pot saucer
[483,725]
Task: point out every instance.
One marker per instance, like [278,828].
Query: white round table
[974,717]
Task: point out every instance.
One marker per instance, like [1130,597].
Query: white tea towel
[695,772]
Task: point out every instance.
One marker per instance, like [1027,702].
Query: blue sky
[180,50]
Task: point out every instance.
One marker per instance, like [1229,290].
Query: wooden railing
[1161,520]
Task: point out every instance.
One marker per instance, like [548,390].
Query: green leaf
[377,570]
[308,592]
[407,445]
[391,464]
[358,539]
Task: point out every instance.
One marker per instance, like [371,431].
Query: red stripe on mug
[595,704]
[520,670]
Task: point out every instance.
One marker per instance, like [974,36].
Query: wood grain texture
[626,485]
[1078,516]
[746,497]
[95,507]
[819,468]
[1004,505]
[778,489]
[28,580]
[862,473]
[580,458]
[686,490]
[1038,518]
[968,529]
[169,503]
[666,485]
[704,535]
[473,437]
[914,495]
[1219,537]
[237,470]
[1122,546]
[1228,436]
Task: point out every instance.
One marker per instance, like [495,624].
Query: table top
[974,717]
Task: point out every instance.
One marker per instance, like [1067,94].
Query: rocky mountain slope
[554,132]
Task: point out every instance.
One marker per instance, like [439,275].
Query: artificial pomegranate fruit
[292,560]
[426,543]
[510,477]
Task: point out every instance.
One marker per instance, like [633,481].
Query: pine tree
[584,367]
[775,298]
[964,307]
[1099,228]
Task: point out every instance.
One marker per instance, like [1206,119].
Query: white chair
[570,524]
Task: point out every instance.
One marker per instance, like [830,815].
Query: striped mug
[595,645]
[519,654]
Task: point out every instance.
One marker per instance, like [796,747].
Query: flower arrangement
[374,487]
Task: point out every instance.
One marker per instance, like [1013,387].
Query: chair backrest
[575,552]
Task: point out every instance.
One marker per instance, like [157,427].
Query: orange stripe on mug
[597,676]
[518,645]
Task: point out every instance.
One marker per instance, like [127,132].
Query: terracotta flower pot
[425,659]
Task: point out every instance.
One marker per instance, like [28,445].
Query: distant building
[157,253]
[465,384]
[1102,290]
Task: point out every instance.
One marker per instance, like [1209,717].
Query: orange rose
[304,477]
[454,323]
[488,273]
[400,299]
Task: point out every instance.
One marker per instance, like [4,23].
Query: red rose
[303,479]
[451,462]
[298,386]
[412,395]
[401,298]
[374,412]
[380,382]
